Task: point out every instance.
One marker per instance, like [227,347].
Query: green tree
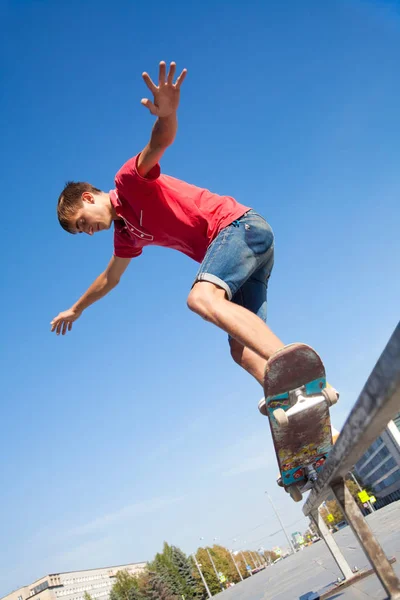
[184,568]
[87,596]
[136,594]
[124,582]
[163,565]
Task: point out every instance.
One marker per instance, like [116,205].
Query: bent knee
[204,299]
[199,302]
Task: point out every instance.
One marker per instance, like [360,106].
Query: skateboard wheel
[330,395]
[279,481]
[281,417]
[262,407]
[295,493]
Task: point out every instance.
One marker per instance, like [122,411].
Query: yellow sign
[372,499]
[364,497]
[330,518]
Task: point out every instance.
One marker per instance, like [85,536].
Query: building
[298,539]
[379,467]
[73,585]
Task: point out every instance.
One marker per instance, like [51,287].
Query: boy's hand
[166,94]
[63,322]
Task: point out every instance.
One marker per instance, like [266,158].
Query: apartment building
[379,467]
[73,585]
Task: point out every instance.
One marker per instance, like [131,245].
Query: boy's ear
[88,197]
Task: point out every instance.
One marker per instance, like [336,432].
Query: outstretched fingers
[163,78]
[149,82]
[171,74]
[162,73]
[180,79]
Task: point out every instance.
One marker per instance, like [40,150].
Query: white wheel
[262,407]
[295,493]
[279,481]
[281,417]
[331,395]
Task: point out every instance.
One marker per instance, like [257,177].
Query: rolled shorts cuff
[216,280]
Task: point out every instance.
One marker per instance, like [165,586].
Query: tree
[157,588]
[87,596]
[136,594]
[270,556]
[223,562]
[242,560]
[333,508]
[200,590]
[163,564]
[123,585]
[354,489]
[184,568]
[208,571]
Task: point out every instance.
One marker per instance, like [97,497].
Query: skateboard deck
[295,386]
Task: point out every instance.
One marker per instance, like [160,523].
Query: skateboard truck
[330,396]
[301,401]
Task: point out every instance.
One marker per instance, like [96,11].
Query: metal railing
[377,404]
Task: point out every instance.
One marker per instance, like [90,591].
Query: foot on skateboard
[297,401]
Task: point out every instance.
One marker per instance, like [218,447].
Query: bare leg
[248,360]
[210,302]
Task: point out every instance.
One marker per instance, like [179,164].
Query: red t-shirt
[163,211]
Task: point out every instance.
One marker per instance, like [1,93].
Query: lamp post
[214,567]
[234,562]
[202,576]
[256,559]
[281,524]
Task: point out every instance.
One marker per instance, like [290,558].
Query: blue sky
[137,428]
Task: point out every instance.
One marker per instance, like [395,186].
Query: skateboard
[297,402]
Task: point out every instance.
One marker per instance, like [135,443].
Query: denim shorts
[240,261]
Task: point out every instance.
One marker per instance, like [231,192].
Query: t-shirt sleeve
[128,180]
[124,249]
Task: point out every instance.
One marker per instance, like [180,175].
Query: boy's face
[94,215]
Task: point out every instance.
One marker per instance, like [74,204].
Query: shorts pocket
[259,236]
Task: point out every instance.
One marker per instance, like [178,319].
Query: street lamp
[245,561]
[202,576]
[282,526]
[214,567]
[234,562]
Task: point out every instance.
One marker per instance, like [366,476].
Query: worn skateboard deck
[307,439]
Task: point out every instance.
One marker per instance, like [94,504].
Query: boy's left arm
[164,106]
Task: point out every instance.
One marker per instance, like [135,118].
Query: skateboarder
[233,244]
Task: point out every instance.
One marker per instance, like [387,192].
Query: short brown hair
[70,200]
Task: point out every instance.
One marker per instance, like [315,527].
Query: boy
[232,243]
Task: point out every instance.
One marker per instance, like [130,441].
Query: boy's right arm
[99,288]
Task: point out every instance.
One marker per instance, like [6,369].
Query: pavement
[302,575]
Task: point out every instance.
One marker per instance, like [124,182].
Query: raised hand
[166,93]
[63,322]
